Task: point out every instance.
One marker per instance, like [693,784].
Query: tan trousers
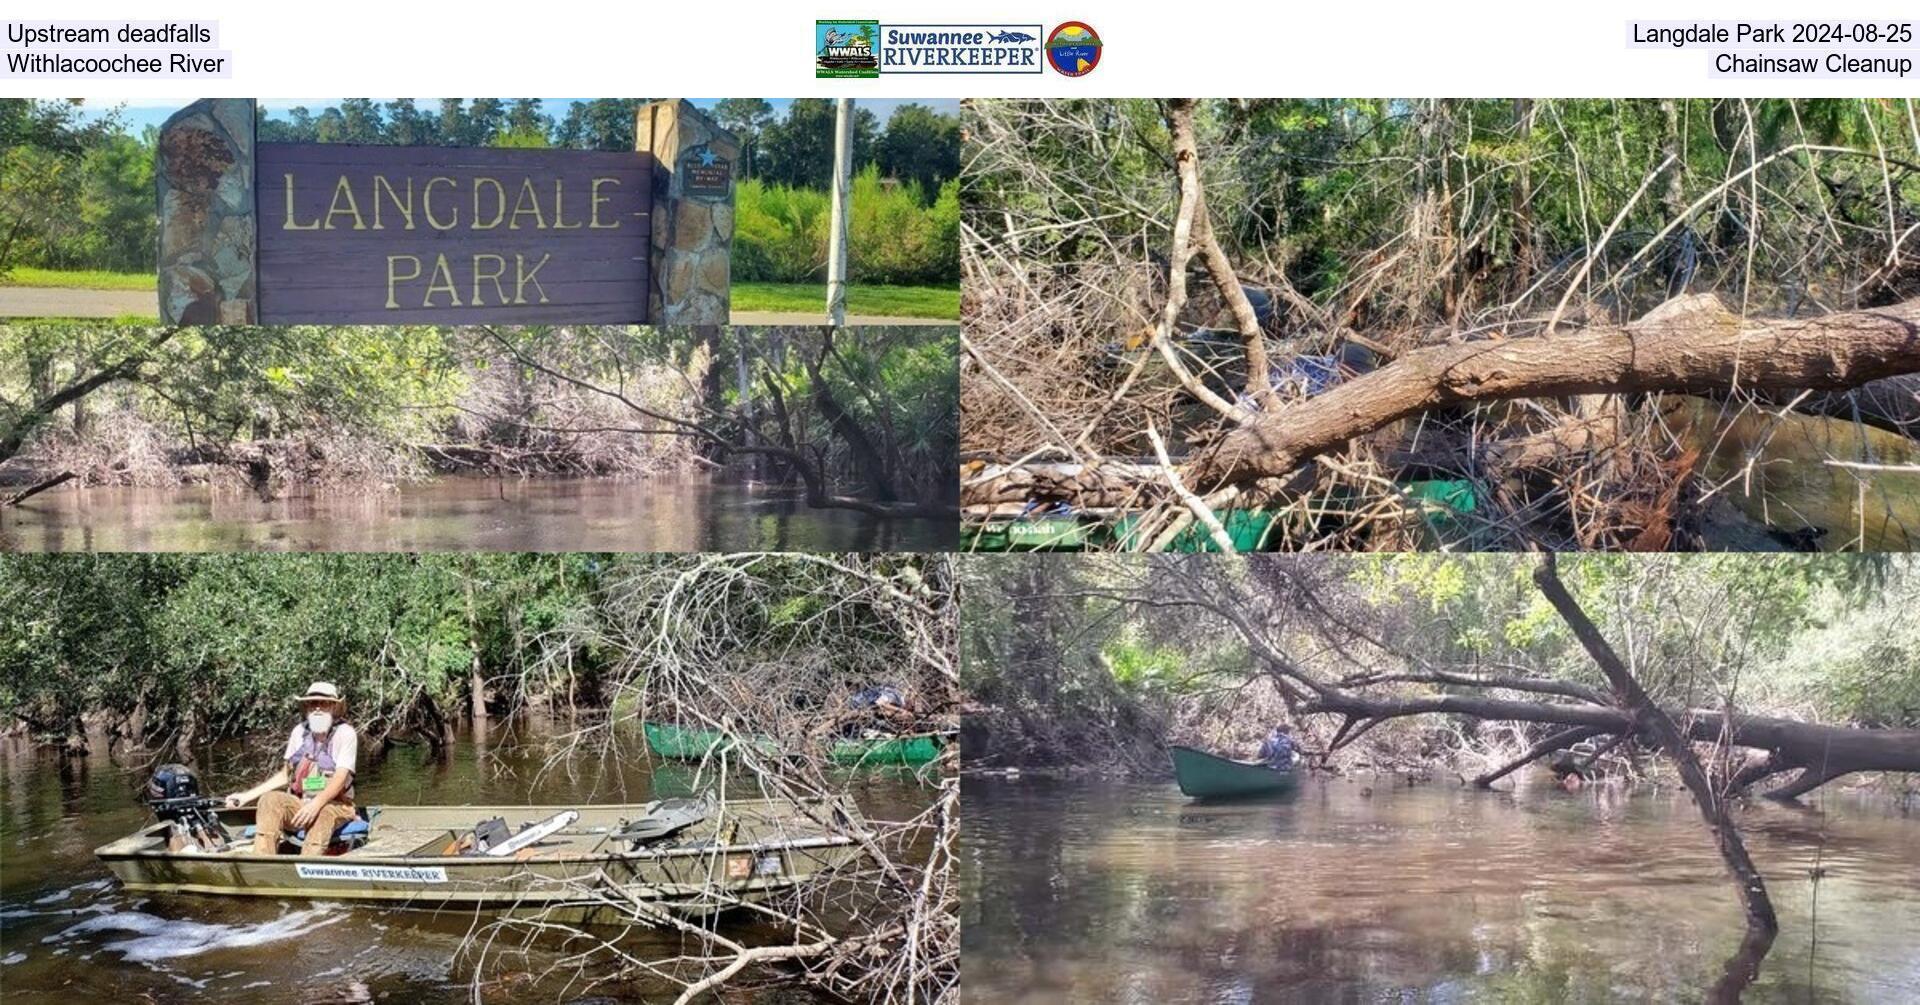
[274,817]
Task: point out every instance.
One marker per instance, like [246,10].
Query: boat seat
[349,836]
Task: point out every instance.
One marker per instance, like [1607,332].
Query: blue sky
[142,113]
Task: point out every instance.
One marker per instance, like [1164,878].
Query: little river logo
[846,49]
[1074,48]
[869,49]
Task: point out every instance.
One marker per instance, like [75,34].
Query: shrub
[780,233]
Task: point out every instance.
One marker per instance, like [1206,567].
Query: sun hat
[322,690]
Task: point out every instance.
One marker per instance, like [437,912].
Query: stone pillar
[693,179]
[204,173]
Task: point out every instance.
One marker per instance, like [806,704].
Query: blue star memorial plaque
[705,174]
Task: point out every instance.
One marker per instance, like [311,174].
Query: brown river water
[1858,486]
[459,514]
[1082,891]
[69,934]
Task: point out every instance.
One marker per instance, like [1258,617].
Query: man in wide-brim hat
[313,790]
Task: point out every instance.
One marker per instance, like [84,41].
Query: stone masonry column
[692,212]
[208,235]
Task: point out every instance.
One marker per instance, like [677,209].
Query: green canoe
[1204,776]
[691,744]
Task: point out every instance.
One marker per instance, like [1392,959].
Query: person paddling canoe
[313,790]
[1277,750]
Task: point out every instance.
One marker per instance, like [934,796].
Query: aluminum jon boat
[709,859]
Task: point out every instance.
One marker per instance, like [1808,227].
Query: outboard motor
[173,793]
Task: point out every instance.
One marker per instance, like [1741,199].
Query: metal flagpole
[837,236]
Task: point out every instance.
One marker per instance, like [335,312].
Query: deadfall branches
[1691,345]
[766,650]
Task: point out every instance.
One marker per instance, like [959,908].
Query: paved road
[45,302]
[42,302]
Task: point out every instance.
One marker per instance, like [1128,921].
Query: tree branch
[1762,923]
[1679,347]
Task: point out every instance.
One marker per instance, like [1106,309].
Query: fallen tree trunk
[1892,404]
[1557,741]
[1829,751]
[1691,344]
[34,490]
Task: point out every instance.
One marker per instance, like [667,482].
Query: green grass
[80,279]
[896,301]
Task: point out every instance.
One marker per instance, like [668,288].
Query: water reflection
[1097,893]
[1853,486]
[459,514]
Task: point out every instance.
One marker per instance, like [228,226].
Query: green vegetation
[170,652]
[864,418]
[1336,238]
[905,301]
[79,279]
[894,235]
[1099,660]
[76,190]
[878,301]
[73,193]
[1508,193]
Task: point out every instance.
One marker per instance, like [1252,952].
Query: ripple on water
[156,939]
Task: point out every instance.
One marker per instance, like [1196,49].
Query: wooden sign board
[451,235]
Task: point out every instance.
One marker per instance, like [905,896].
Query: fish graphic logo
[1008,37]
[1073,48]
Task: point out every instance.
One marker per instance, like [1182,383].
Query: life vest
[314,759]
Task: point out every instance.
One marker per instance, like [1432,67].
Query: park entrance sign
[301,233]
[394,235]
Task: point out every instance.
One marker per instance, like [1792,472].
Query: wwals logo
[846,49]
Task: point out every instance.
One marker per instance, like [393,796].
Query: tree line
[1098,661]
[862,418]
[166,653]
[916,143]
